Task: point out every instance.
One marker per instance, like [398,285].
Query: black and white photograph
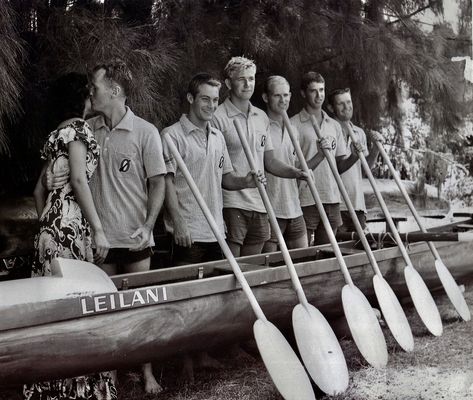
[236,199]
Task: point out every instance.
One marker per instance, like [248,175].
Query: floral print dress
[64,232]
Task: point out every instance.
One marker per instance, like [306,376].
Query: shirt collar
[126,123]
[305,116]
[232,110]
[188,127]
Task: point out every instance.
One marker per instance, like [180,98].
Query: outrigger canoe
[133,318]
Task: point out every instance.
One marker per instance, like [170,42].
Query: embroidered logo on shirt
[220,163]
[334,144]
[263,140]
[125,165]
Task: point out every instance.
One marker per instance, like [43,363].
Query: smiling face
[278,97]
[314,95]
[242,83]
[204,103]
[343,106]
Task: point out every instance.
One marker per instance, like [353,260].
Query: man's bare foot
[236,352]
[205,361]
[151,385]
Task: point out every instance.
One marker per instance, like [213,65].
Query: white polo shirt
[324,180]
[206,157]
[283,193]
[130,153]
[256,126]
[352,178]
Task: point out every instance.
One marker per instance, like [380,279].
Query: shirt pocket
[125,165]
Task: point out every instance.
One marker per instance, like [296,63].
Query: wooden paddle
[449,284]
[283,365]
[317,343]
[390,307]
[362,321]
[423,301]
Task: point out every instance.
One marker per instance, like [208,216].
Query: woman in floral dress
[68,220]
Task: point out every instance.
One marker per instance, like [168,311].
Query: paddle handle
[381,202]
[403,190]
[272,216]
[318,201]
[346,197]
[215,229]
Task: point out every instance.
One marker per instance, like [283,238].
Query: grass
[438,368]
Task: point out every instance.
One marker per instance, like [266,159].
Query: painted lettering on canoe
[122,300]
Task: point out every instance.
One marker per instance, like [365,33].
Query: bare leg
[151,385]
[270,247]
[188,368]
[138,266]
[310,239]
[110,269]
[205,361]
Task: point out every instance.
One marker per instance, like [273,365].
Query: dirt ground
[438,368]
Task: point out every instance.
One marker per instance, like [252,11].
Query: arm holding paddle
[278,168]
[374,151]
[230,181]
[314,162]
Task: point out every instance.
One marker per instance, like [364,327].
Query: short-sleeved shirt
[283,193]
[324,180]
[206,157]
[131,153]
[352,178]
[256,128]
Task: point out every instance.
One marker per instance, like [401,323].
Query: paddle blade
[319,349]
[283,365]
[393,313]
[364,327]
[423,301]
[452,290]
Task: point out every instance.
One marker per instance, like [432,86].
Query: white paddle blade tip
[423,301]
[282,363]
[393,313]
[453,291]
[320,350]
[364,327]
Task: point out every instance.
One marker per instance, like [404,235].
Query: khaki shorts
[246,227]
[291,229]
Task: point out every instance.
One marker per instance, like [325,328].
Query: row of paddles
[317,344]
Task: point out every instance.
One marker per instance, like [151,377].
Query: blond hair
[274,80]
[237,64]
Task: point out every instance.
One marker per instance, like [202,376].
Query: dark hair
[66,97]
[336,92]
[116,71]
[202,78]
[310,77]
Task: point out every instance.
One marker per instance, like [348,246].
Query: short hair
[336,92]
[237,64]
[202,78]
[67,96]
[117,71]
[310,77]
[274,80]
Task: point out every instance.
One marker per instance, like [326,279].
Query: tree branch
[401,19]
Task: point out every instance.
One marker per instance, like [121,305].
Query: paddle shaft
[272,217]
[381,202]
[346,197]
[215,229]
[318,201]
[406,196]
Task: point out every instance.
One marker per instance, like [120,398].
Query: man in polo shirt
[283,192]
[340,104]
[204,151]
[313,93]
[243,210]
[128,185]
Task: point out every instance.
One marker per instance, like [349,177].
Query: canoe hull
[111,340]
